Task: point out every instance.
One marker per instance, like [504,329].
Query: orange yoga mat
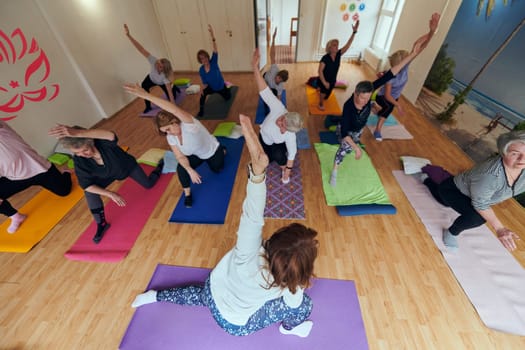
[331,106]
[43,212]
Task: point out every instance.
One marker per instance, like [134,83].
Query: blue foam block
[212,197]
[303,140]
[260,113]
[365,209]
[328,137]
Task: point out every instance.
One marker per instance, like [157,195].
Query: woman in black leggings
[99,161]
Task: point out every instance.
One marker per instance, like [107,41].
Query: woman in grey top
[473,192]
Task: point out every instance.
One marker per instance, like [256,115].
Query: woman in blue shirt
[211,75]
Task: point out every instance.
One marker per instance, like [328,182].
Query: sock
[333,178]
[302,330]
[145,298]
[16,221]
[450,240]
[282,178]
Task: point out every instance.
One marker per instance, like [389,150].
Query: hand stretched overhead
[136,89]
[258,158]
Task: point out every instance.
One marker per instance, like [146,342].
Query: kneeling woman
[257,283]
[278,130]
[99,161]
[473,192]
[190,141]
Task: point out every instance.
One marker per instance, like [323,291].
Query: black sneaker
[201,113]
[159,167]
[101,229]
[188,201]
[147,110]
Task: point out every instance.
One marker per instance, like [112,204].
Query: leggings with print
[271,312]
[344,147]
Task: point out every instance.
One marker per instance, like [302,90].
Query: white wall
[73,105]
[412,24]
[89,57]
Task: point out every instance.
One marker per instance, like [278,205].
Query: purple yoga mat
[336,316]
[156,109]
[284,201]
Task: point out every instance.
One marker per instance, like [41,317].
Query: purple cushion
[436,173]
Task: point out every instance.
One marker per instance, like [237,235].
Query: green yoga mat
[357,180]
[216,107]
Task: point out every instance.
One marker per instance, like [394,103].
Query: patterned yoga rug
[284,201]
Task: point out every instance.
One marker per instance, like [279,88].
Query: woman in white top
[161,73]
[190,141]
[257,283]
[279,127]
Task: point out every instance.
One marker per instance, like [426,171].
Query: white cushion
[413,165]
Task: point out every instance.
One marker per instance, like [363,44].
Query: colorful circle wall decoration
[352,9]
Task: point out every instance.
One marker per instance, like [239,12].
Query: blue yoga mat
[212,196]
[260,114]
[328,137]
[365,209]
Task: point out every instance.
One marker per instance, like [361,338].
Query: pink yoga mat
[336,315]
[126,222]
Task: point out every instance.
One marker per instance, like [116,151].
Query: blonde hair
[397,57]
[166,67]
[329,43]
[294,121]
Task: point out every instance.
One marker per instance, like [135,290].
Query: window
[386,25]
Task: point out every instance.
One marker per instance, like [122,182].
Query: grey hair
[505,140]
[76,142]
[294,121]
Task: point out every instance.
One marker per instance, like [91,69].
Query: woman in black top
[356,109]
[99,161]
[329,66]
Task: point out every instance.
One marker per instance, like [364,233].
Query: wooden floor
[408,296]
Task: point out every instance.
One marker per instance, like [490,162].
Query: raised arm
[345,48]
[272,47]
[210,29]
[60,130]
[261,84]
[135,43]
[419,44]
[138,91]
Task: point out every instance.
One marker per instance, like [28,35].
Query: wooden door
[233,24]
[194,30]
[172,34]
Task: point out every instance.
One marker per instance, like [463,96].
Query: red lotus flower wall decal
[14,93]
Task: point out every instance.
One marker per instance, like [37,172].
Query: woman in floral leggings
[257,283]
